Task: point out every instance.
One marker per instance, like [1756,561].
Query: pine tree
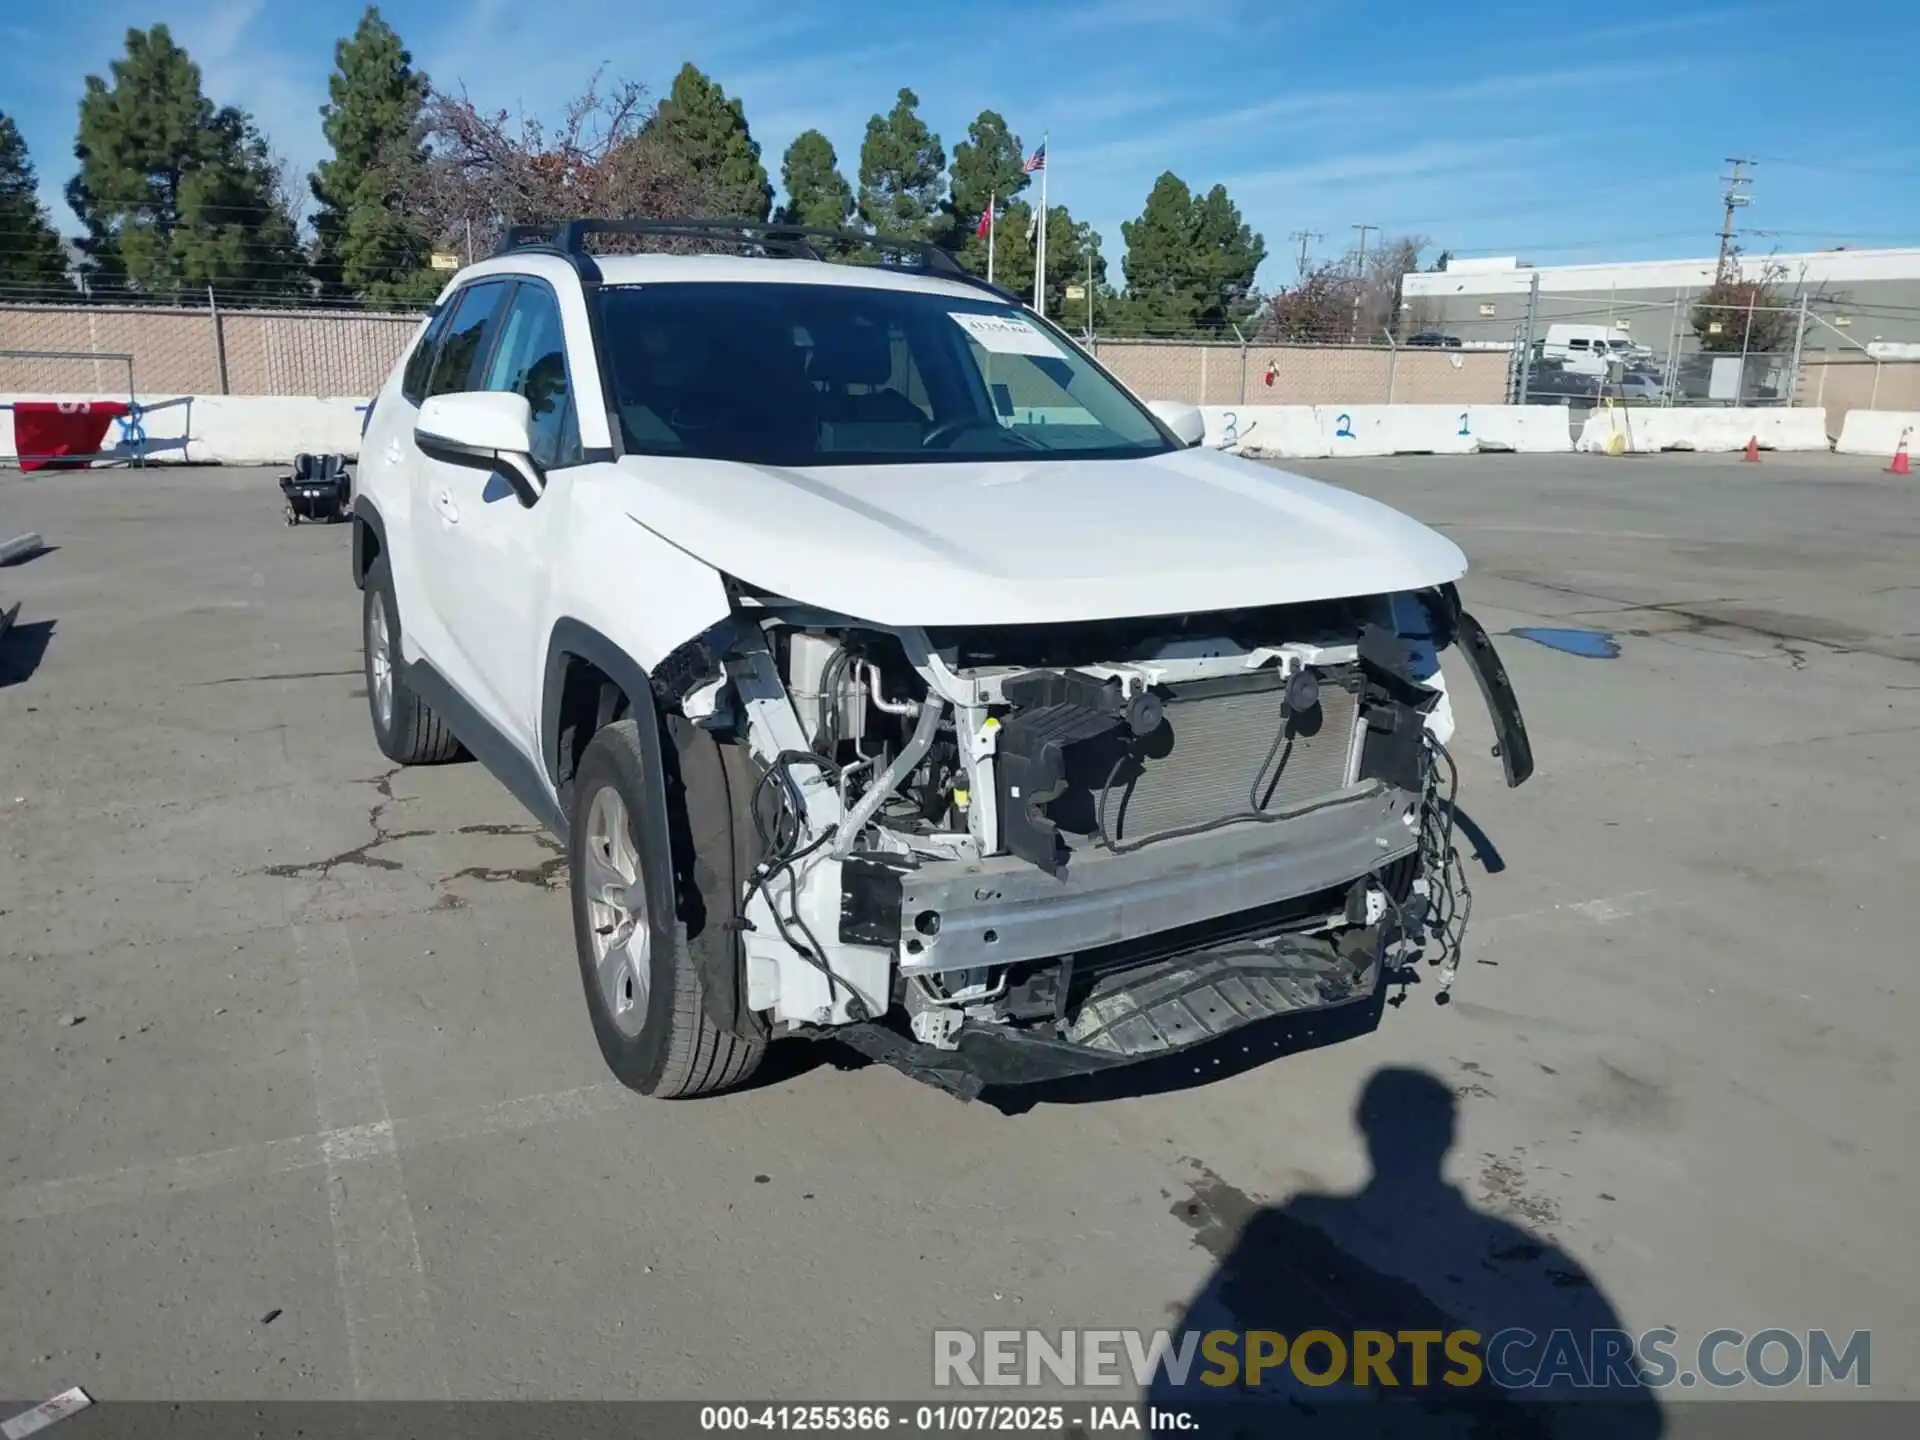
[1190,261]
[901,179]
[181,194]
[986,168]
[33,262]
[1161,290]
[817,193]
[369,240]
[1226,253]
[710,133]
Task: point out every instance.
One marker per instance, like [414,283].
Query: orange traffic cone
[1900,465]
[1752,457]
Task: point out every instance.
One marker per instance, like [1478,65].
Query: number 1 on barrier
[1463,422]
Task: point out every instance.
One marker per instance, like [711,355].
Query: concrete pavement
[290,1033]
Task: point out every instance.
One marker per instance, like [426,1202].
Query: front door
[456,365]
[492,573]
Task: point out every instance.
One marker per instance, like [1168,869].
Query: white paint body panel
[1034,542]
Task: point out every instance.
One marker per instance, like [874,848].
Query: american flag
[1036,161]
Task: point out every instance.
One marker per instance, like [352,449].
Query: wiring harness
[781,851]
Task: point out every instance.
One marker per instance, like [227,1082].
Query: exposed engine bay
[1039,849]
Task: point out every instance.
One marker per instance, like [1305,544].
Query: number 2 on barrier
[1343,427]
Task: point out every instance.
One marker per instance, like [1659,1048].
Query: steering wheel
[950,429]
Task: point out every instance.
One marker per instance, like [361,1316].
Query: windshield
[796,375]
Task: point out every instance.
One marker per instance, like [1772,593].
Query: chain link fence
[1678,351]
[222,350]
[1251,373]
[213,350]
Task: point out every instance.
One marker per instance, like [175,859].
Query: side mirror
[1186,422]
[485,430]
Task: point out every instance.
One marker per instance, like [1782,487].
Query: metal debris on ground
[47,1412]
[20,547]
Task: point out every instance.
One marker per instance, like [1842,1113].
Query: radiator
[1205,759]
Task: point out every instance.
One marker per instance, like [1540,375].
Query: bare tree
[290,190]
[1380,292]
[491,170]
[1337,302]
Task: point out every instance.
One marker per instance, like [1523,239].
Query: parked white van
[1586,349]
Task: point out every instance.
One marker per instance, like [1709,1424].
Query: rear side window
[456,358]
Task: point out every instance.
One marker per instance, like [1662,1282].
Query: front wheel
[644,992]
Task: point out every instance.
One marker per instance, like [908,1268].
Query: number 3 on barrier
[1230,434]
[1343,427]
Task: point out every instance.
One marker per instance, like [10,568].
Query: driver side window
[530,359]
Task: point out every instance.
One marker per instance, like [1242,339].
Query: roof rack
[777,242]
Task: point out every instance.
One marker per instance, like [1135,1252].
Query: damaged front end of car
[1001,854]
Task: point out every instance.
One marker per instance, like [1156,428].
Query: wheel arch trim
[571,640]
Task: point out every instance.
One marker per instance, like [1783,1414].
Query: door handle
[394,454]
[449,512]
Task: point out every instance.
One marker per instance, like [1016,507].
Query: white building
[1868,299]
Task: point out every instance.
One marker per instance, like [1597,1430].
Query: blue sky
[1560,133]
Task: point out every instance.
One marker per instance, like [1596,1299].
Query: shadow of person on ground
[1407,1253]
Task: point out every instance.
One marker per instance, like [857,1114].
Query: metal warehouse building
[1864,300]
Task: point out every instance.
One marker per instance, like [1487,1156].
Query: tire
[651,1012]
[404,728]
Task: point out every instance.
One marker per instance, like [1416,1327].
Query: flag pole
[992,220]
[1040,245]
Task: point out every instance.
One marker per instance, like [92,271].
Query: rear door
[492,579]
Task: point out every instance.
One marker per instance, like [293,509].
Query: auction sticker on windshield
[1005,334]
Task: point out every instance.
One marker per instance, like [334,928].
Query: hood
[1033,542]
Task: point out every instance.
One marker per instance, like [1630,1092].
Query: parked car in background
[1588,348]
[1549,382]
[1433,339]
[1637,386]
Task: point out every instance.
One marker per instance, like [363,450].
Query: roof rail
[775,241]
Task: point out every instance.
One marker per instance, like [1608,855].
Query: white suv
[893,673]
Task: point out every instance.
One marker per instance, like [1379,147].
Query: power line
[1735,196]
[1304,237]
[1360,275]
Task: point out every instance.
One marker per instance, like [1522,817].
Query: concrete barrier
[1522,429]
[222,429]
[1646,430]
[1268,432]
[1396,429]
[1878,432]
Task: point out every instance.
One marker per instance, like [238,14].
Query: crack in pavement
[550,874]
[360,855]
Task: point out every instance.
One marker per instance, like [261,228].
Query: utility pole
[1735,196]
[1305,237]
[1359,279]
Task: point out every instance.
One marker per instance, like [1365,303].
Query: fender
[573,639]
